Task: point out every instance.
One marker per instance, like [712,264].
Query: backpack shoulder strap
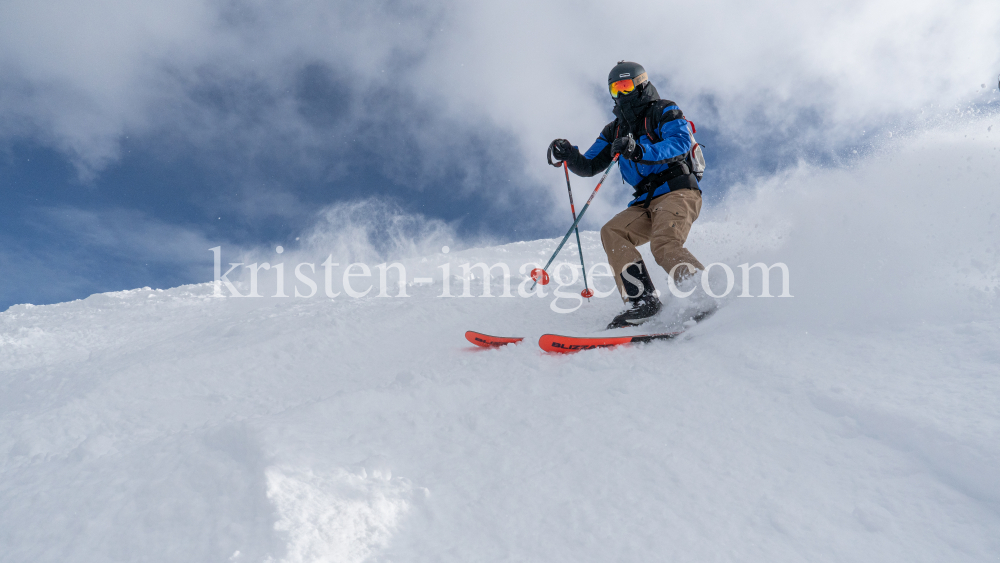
[655,116]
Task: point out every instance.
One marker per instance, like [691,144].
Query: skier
[663,163]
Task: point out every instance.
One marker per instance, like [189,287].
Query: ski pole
[539,274]
[586,289]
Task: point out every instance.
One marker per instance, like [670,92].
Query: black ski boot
[643,303]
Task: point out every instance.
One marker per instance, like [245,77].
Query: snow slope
[855,421]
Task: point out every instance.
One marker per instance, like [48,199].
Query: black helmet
[626,78]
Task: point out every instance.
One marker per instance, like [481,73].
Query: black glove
[562,149]
[628,148]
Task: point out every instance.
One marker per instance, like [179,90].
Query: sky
[136,136]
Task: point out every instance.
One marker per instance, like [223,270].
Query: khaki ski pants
[664,225]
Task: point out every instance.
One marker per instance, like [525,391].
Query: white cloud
[127,235]
[80,76]
[65,253]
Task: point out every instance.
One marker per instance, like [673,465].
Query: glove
[562,149]
[628,148]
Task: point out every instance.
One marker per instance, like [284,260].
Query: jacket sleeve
[675,139]
[596,159]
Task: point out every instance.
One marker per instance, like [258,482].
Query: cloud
[127,234]
[470,91]
[65,253]
[847,61]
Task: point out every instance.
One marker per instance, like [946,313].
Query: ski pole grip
[548,156]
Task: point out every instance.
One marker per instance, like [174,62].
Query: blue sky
[135,137]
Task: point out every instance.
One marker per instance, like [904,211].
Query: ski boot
[644,305]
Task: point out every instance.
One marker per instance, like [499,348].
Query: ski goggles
[626,85]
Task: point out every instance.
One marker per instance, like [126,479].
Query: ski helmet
[626,78]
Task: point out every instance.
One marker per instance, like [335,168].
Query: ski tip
[487,341]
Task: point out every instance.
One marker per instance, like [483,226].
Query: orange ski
[569,344]
[487,341]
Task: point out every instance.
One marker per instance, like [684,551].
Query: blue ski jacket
[666,157]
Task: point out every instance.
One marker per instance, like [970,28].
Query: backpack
[694,159]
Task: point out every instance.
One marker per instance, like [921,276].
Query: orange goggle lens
[627,85]
[622,87]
